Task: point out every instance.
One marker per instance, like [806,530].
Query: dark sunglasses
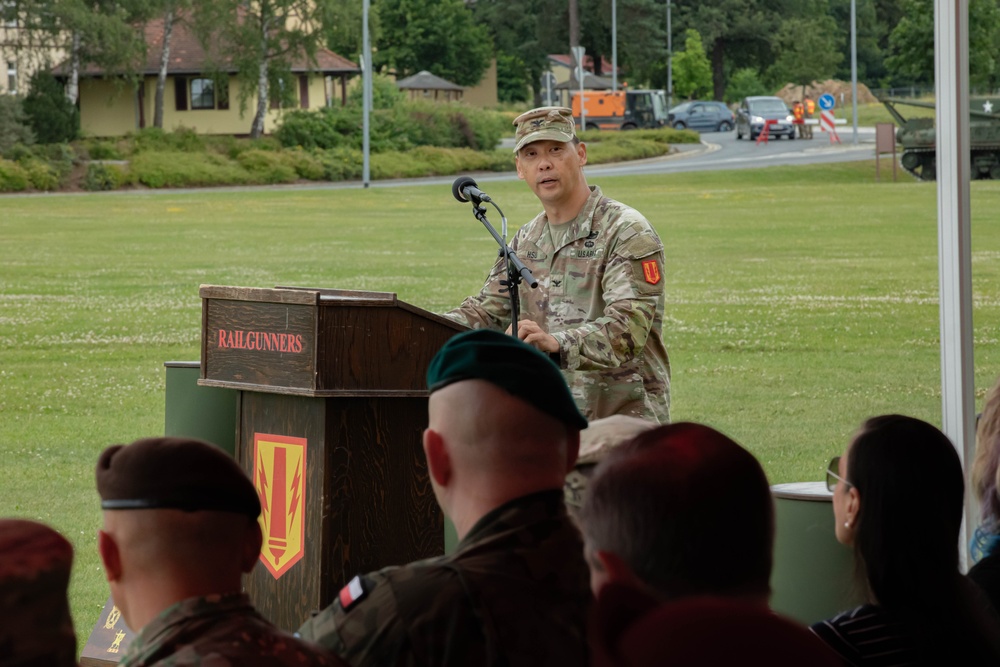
[832,477]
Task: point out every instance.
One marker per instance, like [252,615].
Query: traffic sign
[826,101]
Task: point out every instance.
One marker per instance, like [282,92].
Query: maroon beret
[174,473]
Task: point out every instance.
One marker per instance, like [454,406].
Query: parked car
[702,116]
[754,111]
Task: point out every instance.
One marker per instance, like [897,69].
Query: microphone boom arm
[516,270]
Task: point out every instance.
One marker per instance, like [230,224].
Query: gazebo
[424,85]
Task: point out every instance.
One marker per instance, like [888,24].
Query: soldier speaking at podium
[598,307]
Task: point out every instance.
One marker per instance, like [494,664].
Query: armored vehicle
[917,138]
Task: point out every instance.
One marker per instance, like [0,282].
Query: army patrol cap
[174,473]
[555,123]
[506,362]
[35,623]
[603,435]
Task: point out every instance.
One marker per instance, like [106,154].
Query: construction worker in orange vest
[798,111]
[810,110]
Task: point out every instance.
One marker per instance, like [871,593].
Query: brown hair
[986,465]
[688,510]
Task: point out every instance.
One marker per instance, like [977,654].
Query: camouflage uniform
[222,631]
[515,592]
[600,294]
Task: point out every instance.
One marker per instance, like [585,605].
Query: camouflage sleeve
[369,632]
[632,289]
[490,309]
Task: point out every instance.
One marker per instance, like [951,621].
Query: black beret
[508,363]
[174,473]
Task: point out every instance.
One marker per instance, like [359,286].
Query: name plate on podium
[316,342]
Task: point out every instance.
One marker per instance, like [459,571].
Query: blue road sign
[826,101]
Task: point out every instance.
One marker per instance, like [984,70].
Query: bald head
[486,447]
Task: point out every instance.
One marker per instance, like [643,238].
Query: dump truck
[622,110]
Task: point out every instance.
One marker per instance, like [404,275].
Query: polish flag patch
[352,593]
[651,271]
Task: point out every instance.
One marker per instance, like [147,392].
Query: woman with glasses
[897,500]
[985,546]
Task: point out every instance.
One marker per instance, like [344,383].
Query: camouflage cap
[603,435]
[35,623]
[599,438]
[504,361]
[555,123]
[174,473]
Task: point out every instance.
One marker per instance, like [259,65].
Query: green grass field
[799,302]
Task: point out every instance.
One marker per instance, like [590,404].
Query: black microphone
[464,189]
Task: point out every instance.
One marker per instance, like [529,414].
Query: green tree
[528,30]
[14,128]
[807,50]
[262,40]
[692,71]
[344,29]
[734,31]
[744,82]
[911,43]
[642,38]
[512,79]
[53,118]
[440,36]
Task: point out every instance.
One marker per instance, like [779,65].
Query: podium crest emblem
[279,467]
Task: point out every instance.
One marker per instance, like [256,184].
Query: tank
[917,138]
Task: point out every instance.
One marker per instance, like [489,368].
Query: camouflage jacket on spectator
[222,631]
[600,294]
[515,592]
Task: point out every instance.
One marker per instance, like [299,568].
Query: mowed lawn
[799,302]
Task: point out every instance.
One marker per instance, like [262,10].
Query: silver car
[754,112]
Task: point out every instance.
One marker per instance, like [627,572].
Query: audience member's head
[596,441]
[180,520]
[902,498]
[502,424]
[35,624]
[681,510]
[986,474]
[630,631]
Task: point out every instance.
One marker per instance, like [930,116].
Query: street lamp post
[670,61]
[614,45]
[366,90]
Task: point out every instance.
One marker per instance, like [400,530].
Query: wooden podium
[331,408]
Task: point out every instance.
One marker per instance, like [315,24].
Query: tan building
[22,51]
[194,96]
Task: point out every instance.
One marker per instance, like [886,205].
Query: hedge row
[185,159]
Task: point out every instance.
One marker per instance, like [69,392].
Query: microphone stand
[516,270]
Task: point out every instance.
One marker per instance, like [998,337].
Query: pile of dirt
[793,91]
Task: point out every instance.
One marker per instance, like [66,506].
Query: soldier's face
[552,169]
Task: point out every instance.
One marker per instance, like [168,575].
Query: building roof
[426,81]
[188,56]
[590,82]
[566,60]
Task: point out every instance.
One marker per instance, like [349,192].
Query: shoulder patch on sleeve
[355,591]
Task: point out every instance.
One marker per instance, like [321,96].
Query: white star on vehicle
[988,106]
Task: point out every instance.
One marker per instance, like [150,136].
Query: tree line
[722,48]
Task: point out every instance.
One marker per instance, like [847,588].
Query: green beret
[174,473]
[504,361]
[555,123]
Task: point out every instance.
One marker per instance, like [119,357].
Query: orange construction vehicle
[624,110]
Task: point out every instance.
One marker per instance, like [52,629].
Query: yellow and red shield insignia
[651,271]
[279,475]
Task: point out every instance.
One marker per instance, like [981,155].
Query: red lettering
[239,338]
[298,343]
[283,342]
[272,339]
[222,337]
[230,339]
